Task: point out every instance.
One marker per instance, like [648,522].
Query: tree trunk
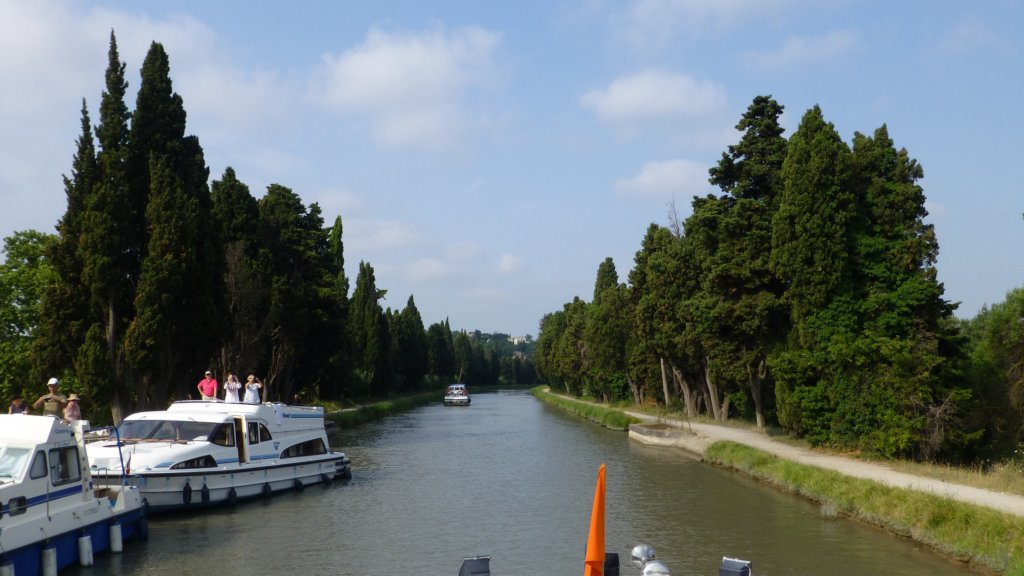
[712,387]
[756,373]
[664,381]
[634,389]
[686,390]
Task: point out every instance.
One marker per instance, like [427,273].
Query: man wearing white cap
[52,402]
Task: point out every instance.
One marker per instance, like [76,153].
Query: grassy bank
[984,538]
[351,417]
[607,417]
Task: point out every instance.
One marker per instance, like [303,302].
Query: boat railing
[105,432]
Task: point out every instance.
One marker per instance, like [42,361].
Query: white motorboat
[456,395]
[52,517]
[200,452]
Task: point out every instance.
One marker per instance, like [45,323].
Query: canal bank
[981,528]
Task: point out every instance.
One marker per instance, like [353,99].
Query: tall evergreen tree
[65,313]
[178,322]
[746,294]
[236,213]
[109,239]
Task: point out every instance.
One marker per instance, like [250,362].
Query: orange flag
[594,563]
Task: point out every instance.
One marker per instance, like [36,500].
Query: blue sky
[486,157]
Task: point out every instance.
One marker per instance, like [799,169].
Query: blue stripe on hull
[29,559]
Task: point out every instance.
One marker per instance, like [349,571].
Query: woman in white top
[252,390]
[231,388]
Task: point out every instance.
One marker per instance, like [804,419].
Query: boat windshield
[167,430]
[12,461]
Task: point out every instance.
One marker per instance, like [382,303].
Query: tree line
[155,275]
[804,295]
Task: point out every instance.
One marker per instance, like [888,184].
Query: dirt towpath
[703,435]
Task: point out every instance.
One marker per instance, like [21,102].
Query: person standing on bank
[231,388]
[52,402]
[73,411]
[252,390]
[17,406]
[208,387]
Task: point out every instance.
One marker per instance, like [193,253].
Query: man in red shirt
[208,387]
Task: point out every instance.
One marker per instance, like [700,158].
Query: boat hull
[28,559]
[164,491]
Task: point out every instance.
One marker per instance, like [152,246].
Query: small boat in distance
[456,395]
[202,452]
[52,517]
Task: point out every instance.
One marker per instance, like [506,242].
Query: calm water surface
[513,478]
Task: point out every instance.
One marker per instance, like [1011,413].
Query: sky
[486,157]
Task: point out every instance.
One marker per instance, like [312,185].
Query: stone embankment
[696,437]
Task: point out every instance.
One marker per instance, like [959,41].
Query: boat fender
[85,550]
[347,473]
[326,479]
[50,559]
[267,491]
[186,493]
[205,494]
[116,542]
[232,496]
[143,527]
[6,567]
[298,484]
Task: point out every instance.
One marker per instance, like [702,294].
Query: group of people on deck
[208,388]
[52,403]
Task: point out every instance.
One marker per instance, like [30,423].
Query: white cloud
[428,269]
[652,25]
[801,50]
[410,88]
[375,235]
[971,34]
[654,95]
[509,264]
[463,251]
[666,180]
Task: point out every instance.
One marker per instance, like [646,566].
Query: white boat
[456,395]
[200,452]
[52,516]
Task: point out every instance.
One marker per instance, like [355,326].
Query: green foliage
[24,276]
[613,419]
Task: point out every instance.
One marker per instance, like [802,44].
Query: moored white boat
[456,395]
[201,452]
[52,516]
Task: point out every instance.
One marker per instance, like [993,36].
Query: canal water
[513,478]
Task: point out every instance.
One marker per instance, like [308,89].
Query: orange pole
[594,563]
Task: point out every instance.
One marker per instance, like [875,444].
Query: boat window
[64,465]
[254,433]
[38,469]
[165,430]
[307,448]
[223,435]
[201,462]
[264,434]
[17,505]
[12,462]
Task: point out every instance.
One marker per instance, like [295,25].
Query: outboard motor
[735,567]
[476,566]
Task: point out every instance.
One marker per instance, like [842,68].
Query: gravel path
[706,434]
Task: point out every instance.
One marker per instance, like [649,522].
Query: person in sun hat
[53,403]
[73,411]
